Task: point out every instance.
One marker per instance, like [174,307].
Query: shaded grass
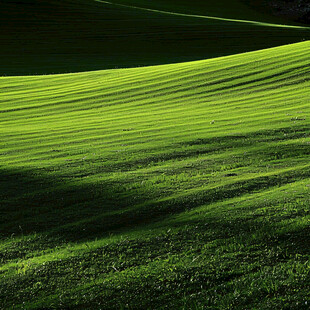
[69,36]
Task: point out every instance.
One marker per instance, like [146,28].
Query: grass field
[181,186]
[53,36]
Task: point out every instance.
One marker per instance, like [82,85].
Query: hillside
[272,11]
[181,186]
[54,36]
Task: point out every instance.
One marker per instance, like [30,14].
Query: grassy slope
[82,35]
[170,186]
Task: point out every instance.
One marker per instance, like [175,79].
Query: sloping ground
[260,10]
[53,36]
[183,186]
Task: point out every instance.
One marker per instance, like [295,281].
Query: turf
[53,36]
[181,186]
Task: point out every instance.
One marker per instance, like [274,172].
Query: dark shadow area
[43,37]
[298,11]
[272,11]
[31,202]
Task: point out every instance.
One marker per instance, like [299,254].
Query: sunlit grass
[182,186]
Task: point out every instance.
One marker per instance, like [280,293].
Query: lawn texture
[180,186]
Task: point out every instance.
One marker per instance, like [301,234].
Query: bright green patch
[182,186]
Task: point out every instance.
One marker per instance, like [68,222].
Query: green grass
[182,186]
[84,35]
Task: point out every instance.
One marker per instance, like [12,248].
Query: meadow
[173,186]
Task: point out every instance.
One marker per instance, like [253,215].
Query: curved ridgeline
[272,11]
[235,9]
[40,37]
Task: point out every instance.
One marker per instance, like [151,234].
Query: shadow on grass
[32,202]
[75,210]
[69,210]
[214,145]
